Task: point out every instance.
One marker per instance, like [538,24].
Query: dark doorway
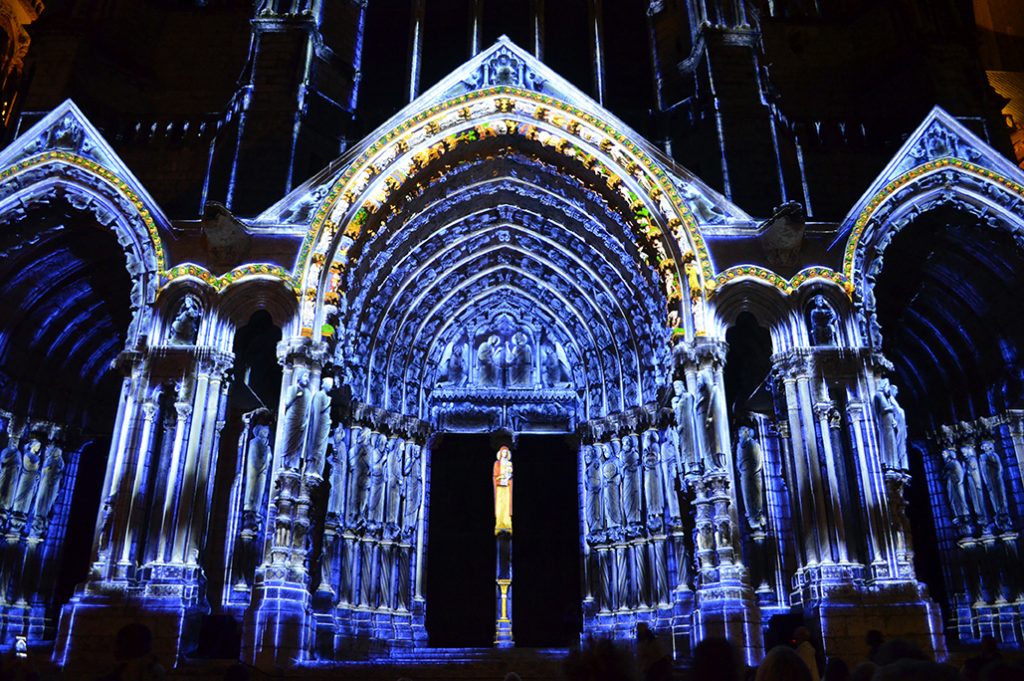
[546,543]
[461,555]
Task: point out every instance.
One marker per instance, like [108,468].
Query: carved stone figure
[339,472]
[555,373]
[974,487]
[396,482]
[502,480]
[750,463]
[654,485]
[611,487]
[520,361]
[995,487]
[375,506]
[892,426]
[49,486]
[683,435]
[257,466]
[454,372]
[631,480]
[413,489]
[953,476]
[9,470]
[359,475]
[319,427]
[823,322]
[296,412]
[185,327]
[592,477]
[29,477]
[489,362]
[706,408]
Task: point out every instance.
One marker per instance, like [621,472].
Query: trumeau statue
[995,487]
[823,322]
[611,487]
[592,476]
[258,458]
[339,472]
[631,480]
[750,463]
[319,427]
[953,476]
[520,361]
[29,478]
[296,418]
[683,435]
[502,477]
[185,327]
[489,362]
[49,486]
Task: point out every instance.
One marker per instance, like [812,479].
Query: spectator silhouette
[806,651]
[133,651]
[988,654]
[901,660]
[655,663]
[715,659]
[874,640]
[836,670]
[865,671]
[783,664]
[599,660]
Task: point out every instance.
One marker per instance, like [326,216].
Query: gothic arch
[660,222]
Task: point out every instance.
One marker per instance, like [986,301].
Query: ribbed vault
[67,313]
[494,245]
[949,306]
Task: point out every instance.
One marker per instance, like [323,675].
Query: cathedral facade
[239,324]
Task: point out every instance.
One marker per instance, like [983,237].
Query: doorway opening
[461,553]
[546,560]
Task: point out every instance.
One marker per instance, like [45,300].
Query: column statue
[49,487]
[375,506]
[319,427]
[631,482]
[654,486]
[892,426]
[953,476]
[502,478]
[396,483]
[974,487]
[257,466]
[750,464]
[296,417]
[412,489]
[706,408]
[592,477]
[683,435]
[611,487]
[900,420]
[339,473]
[28,480]
[995,487]
[9,470]
[359,476]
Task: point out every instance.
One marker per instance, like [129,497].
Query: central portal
[461,544]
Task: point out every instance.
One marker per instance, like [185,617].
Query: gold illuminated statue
[503,492]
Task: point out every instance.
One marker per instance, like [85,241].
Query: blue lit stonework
[502,256]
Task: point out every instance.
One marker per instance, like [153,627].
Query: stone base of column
[278,631]
[88,626]
[729,610]
[898,610]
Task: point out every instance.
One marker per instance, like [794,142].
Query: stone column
[278,627]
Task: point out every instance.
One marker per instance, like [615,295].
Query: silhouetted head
[898,649]
[133,641]
[715,659]
[783,664]
[874,638]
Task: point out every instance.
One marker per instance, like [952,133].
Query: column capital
[698,352]
[301,350]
